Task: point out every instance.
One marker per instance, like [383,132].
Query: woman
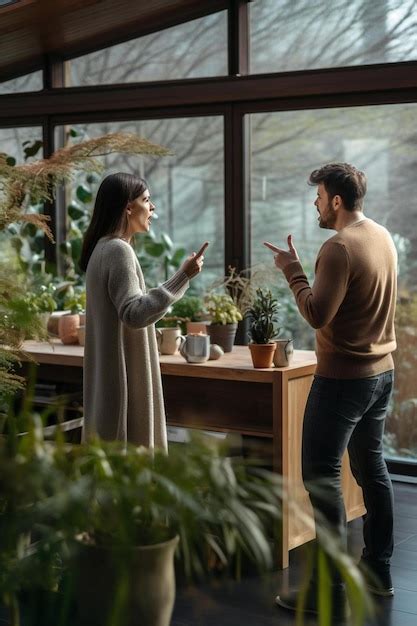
[122,383]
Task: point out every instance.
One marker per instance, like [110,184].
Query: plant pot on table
[262,354]
[223,335]
[68,328]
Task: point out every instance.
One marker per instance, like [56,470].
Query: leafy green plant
[221,309]
[262,317]
[75,300]
[104,494]
[189,309]
[42,300]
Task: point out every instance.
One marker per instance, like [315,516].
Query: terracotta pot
[53,321]
[68,328]
[223,335]
[262,354]
[147,573]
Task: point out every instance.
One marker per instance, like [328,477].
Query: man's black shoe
[289,601]
[378,582]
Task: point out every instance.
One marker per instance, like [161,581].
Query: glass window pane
[194,49]
[285,148]
[29,82]
[311,34]
[187,188]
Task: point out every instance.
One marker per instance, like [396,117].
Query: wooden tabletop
[235,365]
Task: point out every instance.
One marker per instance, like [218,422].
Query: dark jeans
[350,414]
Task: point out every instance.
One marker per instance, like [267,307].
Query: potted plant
[115,516]
[263,329]
[224,316]
[106,518]
[189,313]
[69,324]
[41,302]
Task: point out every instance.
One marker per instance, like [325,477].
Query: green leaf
[167,241]
[154,249]
[73,132]
[29,230]
[84,193]
[75,211]
[33,149]
[76,245]
[324,595]
[178,256]
[65,247]
[92,178]
[11,161]
[38,243]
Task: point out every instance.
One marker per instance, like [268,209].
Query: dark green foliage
[263,316]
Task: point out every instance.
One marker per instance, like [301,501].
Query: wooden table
[229,395]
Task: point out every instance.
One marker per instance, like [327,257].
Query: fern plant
[263,317]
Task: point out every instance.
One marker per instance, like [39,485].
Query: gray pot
[144,574]
[223,335]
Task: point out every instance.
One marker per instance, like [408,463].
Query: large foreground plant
[55,500]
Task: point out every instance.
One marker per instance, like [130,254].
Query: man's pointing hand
[282,257]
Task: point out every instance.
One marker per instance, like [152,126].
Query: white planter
[283,353]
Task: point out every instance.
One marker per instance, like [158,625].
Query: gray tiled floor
[251,602]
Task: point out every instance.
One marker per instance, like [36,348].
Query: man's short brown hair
[344,180]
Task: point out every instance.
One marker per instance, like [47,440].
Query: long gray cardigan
[122,382]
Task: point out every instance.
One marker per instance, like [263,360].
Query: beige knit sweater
[352,302]
[123,397]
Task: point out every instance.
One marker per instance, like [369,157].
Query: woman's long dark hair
[109,216]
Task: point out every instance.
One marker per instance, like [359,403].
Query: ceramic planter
[283,353]
[262,354]
[68,328]
[147,574]
[223,335]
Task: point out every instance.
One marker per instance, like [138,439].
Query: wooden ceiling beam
[32,29]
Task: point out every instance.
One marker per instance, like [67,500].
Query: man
[351,305]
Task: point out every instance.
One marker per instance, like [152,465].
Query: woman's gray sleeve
[135,308]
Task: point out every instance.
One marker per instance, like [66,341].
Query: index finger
[202,249]
[272,247]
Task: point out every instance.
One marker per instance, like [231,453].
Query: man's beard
[330,220]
